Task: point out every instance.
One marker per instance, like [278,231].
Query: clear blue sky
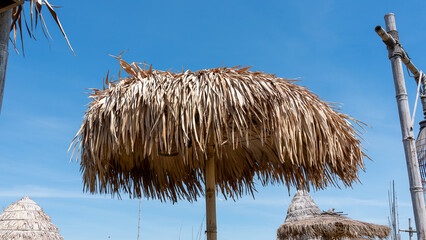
[330,45]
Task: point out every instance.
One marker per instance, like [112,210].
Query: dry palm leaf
[36,16]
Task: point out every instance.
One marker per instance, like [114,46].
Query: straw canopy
[25,220]
[303,223]
[149,134]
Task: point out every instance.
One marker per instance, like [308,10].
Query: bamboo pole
[211,227]
[139,222]
[393,210]
[416,188]
[5,18]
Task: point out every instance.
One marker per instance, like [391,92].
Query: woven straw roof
[25,220]
[305,221]
[302,207]
[148,134]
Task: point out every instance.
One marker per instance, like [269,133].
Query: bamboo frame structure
[397,56]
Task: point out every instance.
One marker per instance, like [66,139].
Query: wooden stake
[211,227]
[416,188]
[5,19]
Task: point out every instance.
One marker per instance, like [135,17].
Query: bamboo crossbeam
[392,43]
[387,38]
[396,48]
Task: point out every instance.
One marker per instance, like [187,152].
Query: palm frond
[36,16]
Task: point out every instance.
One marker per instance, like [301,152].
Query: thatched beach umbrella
[25,220]
[164,135]
[305,221]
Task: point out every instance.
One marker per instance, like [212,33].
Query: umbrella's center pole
[211,228]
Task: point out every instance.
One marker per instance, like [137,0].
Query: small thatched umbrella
[305,221]
[164,135]
[25,220]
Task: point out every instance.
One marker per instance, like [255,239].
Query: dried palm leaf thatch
[18,19]
[25,220]
[148,134]
[305,221]
[327,226]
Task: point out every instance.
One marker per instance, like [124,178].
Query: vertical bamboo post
[416,188]
[211,227]
[5,18]
[139,222]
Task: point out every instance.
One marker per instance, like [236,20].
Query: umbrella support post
[5,18]
[211,227]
